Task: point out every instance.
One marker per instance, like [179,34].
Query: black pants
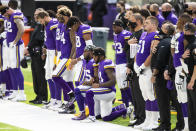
[39,81]
[192,108]
[138,100]
[164,96]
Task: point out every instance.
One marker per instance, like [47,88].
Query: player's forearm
[193,78]
[87,83]
[108,83]
[148,60]
[20,26]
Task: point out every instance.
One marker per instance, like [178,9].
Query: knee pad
[89,94]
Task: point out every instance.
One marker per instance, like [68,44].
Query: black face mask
[189,12]
[153,13]
[190,38]
[166,13]
[162,33]
[132,24]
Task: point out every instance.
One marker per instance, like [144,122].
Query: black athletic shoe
[68,110]
[177,129]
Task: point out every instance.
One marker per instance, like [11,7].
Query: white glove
[135,66]
[141,69]
[11,44]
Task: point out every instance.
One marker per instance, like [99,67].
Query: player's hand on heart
[132,41]
[95,85]
[74,61]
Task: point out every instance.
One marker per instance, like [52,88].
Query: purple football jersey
[80,42]
[144,47]
[172,18]
[88,69]
[103,65]
[119,40]
[58,36]
[12,28]
[66,44]
[161,19]
[50,34]
[179,50]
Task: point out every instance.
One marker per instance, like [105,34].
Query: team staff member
[135,24]
[160,60]
[190,59]
[37,64]
[168,14]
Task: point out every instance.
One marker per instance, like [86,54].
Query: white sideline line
[37,119]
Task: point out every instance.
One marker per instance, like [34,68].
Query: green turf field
[110,55]
[6,127]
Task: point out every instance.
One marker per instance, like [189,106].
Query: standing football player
[83,37]
[142,68]
[120,37]
[15,29]
[63,77]
[50,42]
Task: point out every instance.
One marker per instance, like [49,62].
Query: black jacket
[37,39]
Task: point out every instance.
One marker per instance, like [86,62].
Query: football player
[120,37]
[50,42]
[83,37]
[14,26]
[87,81]
[142,68]
[99,98]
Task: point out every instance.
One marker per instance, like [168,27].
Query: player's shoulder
[84,28]
[53,24]
[1,18]
[108,63]
[18,15]
[126,34]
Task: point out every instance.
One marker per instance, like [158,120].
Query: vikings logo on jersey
[119,40]
[80,42]
[179,50]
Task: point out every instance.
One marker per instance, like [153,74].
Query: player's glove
[11,44]
[136,67]
[141,69]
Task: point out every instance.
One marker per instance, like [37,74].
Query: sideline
[35,118]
